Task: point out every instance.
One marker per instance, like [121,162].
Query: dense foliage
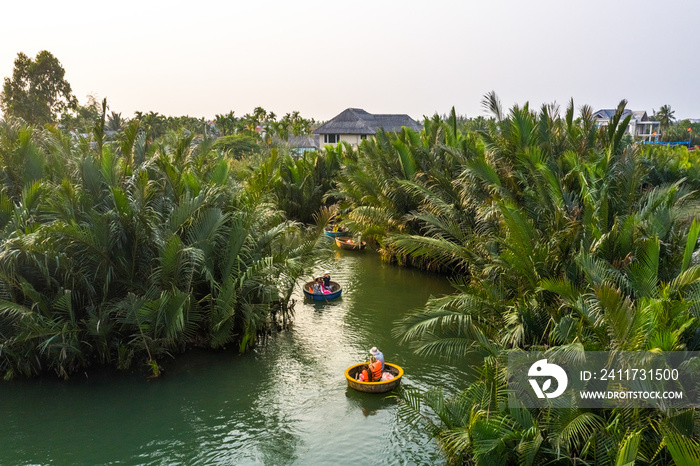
[264,125]
[123,252]
[561,237]
[558,236]
[300,185]
[683,131]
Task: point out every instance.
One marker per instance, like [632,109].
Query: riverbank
[286,402]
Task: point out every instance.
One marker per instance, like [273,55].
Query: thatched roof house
[354,124]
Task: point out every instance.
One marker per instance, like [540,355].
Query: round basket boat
[336,290]
[332,232]
[350,244]
[374,387]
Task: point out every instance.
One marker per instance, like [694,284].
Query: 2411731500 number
[639,374]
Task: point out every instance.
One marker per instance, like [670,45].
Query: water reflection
[287,402]
[324,306]
[370,403]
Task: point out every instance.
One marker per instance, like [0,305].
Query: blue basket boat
[309,292]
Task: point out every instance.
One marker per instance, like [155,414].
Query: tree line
[557,235]
[39,94]
[125,252]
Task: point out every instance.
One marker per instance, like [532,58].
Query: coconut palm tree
[563,251]
[20,156]
[130,254]
[406,167]
[665,116]
[115,122]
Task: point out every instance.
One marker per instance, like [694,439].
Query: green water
[287,402]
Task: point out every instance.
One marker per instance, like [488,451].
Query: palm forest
[126,242]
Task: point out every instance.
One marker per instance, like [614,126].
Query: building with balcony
[640,126]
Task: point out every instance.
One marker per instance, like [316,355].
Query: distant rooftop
[358,121]
[608,113]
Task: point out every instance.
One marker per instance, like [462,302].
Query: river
[286,402]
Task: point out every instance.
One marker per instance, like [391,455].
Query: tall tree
[226,124]
[38,91]
[665,115]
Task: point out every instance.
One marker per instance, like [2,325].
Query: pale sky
[320,57]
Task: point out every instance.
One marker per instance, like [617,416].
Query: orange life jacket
[376,368]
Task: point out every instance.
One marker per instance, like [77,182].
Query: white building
[640,126]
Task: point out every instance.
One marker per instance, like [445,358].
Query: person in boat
[317,287]
[375,368]
[327,280]
[357,240]
[363,376]
[378,355]
[373,373]
[322,287]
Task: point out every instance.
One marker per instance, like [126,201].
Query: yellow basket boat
[374,387]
